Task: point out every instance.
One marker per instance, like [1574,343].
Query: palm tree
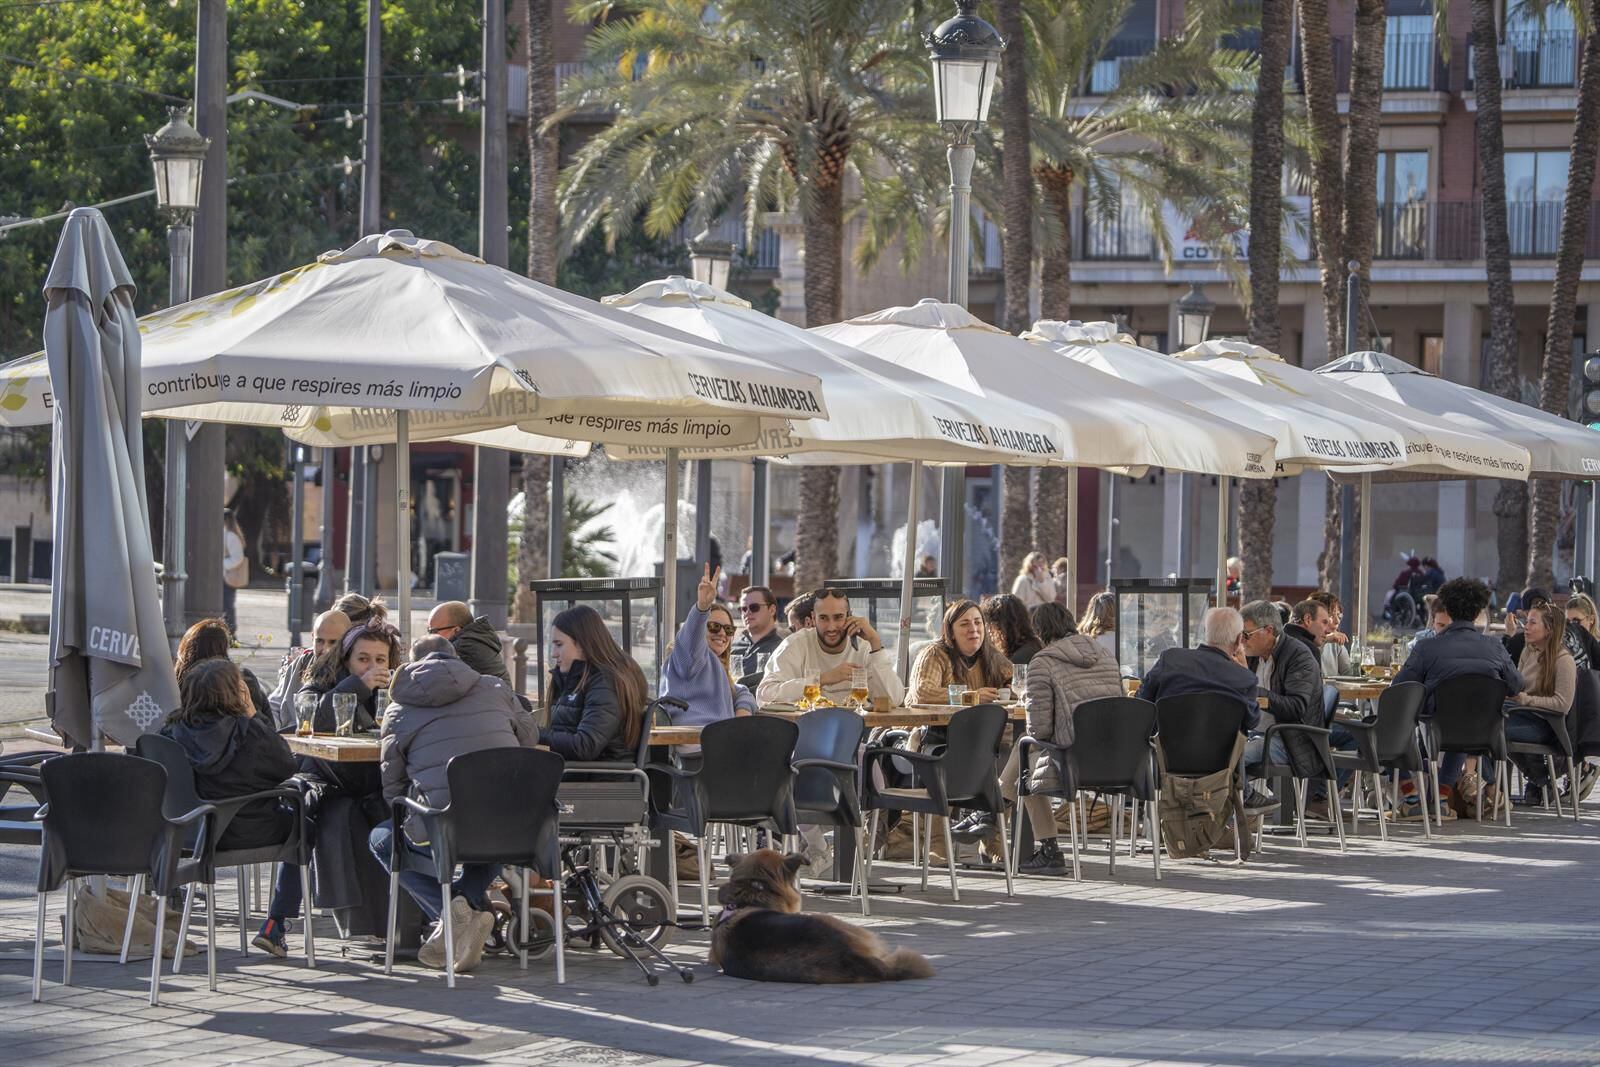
[544,227]
[1344,198]
[1016,199]
[1258,498]
[1556,375]
[1172,130]
[758,104]
[1511,498]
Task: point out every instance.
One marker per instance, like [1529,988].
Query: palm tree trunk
[1055,280]
[1258,498]
[543,233]
[1511,498]
[1016,205]
[1049,533]
[817,524]
[1327,173]
[1556,377]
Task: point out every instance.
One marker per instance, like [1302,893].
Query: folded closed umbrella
[110,667]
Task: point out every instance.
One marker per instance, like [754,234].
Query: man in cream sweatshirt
[837,643]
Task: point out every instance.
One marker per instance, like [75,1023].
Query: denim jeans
[1525,727]
[423,883]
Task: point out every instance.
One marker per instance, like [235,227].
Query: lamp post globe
[178,156]
[710,260]
[1194,316]
[965,52]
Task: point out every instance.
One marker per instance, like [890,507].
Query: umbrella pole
[908,571]
[1362,575]
[402,518]
[1224,486]
[1072,538]
[669,547]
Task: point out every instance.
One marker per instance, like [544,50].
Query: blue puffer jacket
[1459,651]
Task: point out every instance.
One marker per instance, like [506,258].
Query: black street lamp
[178,156]
[1194,317]
[710,260]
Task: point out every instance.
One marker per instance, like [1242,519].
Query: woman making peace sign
[697,670]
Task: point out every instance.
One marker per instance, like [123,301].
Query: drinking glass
[953,694]
[1019,681]
[969,698]
[813,691]
[858,687]
[305,713]
[380,703]
[344,714]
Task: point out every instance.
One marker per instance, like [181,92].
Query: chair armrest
[44,809]
[880,751]
[415,807]
[831,764]
[193,816]
[675,773]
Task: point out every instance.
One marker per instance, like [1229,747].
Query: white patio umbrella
[110,668]
[1557,447]
[877,410]
[1434,448]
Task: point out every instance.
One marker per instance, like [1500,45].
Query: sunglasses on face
[721,628]
[746,609]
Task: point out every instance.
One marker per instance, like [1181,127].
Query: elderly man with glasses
[758,610]
[1290,680]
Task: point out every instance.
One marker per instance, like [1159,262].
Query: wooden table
[364,748]
[909,715]
[1368,689]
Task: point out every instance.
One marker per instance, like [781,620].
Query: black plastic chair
[1319,767]
[1561,749]
[182,796]
[502,810]
[960,776]
[1111,755]
[745,778]
[1469,718]
[1387,744]
[17,823]
[1196,734]
[105,817]
[825,789]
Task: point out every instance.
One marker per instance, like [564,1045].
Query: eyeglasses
[437,630]
[1248,634]
[745,609]
[721,628]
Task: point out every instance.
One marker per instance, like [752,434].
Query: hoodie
[1064,674]
[234,757]
[478,645]
[441,708]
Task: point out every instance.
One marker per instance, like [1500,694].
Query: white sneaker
[465,927]
[431,954]
[480,925]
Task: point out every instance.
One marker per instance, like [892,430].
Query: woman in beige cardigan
[1552,677]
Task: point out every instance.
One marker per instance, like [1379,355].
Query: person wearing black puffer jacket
[596,692]
[234,751]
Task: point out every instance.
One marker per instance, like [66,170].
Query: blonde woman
[1581,610]
[1099,621]
[1033,584]
[697,670]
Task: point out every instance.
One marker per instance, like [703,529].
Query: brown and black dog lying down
[761,935]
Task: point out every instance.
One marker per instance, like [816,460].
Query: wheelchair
[607,899]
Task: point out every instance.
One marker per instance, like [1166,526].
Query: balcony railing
[1411,62]
[1452,230]
[1125,236]
[762,255]
[1534,59]
[1106,74]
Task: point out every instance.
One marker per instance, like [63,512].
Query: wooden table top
[908,715]
[1367,689]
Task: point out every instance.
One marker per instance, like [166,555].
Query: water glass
[1019,680]
[380,703]
[344,714]
[953,693]
[305,713]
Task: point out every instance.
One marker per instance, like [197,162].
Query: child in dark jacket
[234,751]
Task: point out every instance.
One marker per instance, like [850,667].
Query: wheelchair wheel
[645,905]
[541,939]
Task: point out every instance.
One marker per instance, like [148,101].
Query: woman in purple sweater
[697,671]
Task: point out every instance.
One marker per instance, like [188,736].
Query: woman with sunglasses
[698,670]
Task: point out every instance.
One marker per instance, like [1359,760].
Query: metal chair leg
[156,948]
[393,924]
[1015,852]
[1333,798]
[703,854]
[1155,834]
[244,911]
[38,949]
[1005,854]
[211,938]
[1550,776]
[927,849]
[1113,831]
[68,941]
[310,933]
[872,845]
[1355,806]
[135,887]
[526,933]
[949,855]
[1574,772]
[183,925]
[1383,806]
[449,933]
[1300,810]
[1133,827]
[860,873]
[1501,797]
[560,927]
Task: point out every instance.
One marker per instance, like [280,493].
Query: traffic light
[1589,407]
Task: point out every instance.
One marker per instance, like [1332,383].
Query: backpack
[1194,811]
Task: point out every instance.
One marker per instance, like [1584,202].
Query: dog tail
[903,963]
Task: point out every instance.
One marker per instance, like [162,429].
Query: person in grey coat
[441,708]
[1290,679]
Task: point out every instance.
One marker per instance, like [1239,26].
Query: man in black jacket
[476,641]
[1290,679]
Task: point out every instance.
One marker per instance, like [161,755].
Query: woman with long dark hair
[963,655]
[1551,674]
[597,692]
[1010,628]
[209,639]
